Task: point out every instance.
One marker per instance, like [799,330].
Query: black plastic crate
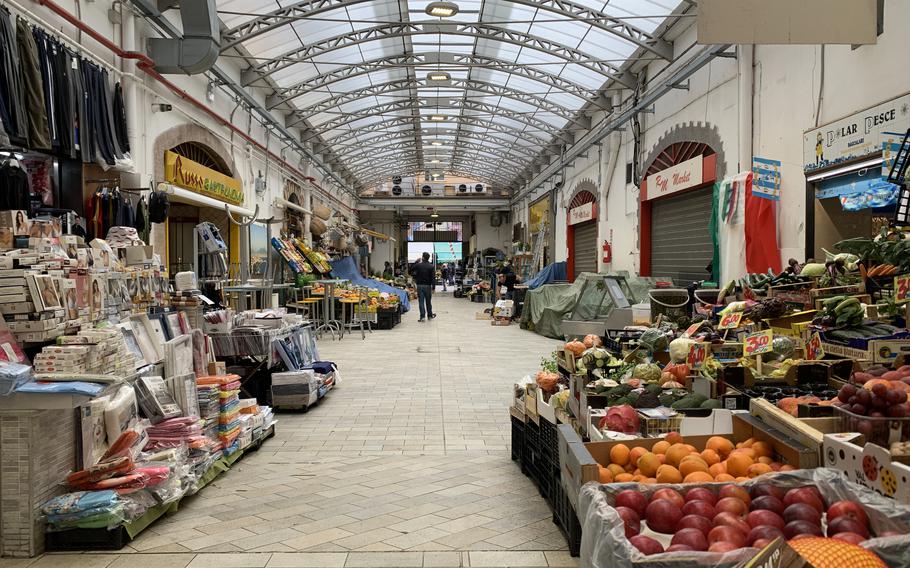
[564,516]
[518,439]
[530,455]
[86,539]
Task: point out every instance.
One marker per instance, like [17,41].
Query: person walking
[445,276]
[424,274]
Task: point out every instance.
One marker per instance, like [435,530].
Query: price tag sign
[814,350]
[698,352]
[730,320]
[690,331]
[902,288]
[757,343]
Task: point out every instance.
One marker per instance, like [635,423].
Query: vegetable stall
[775,421]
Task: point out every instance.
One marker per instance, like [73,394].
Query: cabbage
[679,349]
[646,372]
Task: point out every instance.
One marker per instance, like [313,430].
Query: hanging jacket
[120,119]
[38,133]
[13,80]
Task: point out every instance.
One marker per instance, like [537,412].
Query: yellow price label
[758,343]
[730,320]
[814,349]
[902,288]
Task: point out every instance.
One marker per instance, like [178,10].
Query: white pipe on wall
[187,196]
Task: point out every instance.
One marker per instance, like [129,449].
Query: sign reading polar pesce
[193,176]
[855,136]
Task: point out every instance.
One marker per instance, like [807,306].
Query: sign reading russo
[675,178]
[582,213]
[193,176]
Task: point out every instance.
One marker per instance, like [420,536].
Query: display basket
[255,342]
[671,303]
[880,431]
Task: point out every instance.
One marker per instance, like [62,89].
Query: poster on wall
[855,136]
[538,214]
[766,178]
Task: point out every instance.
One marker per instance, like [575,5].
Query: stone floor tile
[70,560]
[506,558]
[241,560]
[308,560]
[384,560]
[560,559]
[153,561]
[310,540]
[445,559]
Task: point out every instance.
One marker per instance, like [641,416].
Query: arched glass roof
[388,90]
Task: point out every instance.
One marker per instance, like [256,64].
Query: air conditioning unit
[462,189]
[432,190]
[480,188]
[396,190]
[396,180]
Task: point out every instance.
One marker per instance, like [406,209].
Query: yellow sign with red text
[758,343]
[195,177]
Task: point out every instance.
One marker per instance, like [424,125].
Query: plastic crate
[654,427]
[530,455]
[880,431]
[564,516]
[86,539]
[518,439]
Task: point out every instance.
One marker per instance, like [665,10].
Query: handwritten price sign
[902,288]
[730,320]
[814,350]
[758,343]
[698,352]
[692,329]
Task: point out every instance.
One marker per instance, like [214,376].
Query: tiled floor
[405,464]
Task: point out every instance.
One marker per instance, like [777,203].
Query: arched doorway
[676,202]
[581,229]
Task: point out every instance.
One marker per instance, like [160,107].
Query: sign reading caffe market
[193,176]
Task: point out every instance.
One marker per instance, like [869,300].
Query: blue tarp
[550,273]
[346,269]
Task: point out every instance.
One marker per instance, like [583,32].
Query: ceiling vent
[426,190]
[480,188]
[396,190]
[462,189]
[396,180]
[198,49]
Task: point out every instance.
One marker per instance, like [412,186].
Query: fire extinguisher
[608,252]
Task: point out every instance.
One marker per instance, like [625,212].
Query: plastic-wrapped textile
[69,387]
[12,375]
[604,544]
[78,501]
[101,471]
[139,478]
[128,444]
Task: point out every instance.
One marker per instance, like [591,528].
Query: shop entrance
[581,237]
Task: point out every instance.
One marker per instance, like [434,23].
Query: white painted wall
[489,236]
[786,90]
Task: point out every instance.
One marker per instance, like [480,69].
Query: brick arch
[195,134]
[684,139]
[585,191]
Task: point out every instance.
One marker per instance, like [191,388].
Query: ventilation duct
[198,49]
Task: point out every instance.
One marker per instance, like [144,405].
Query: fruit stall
[747,428]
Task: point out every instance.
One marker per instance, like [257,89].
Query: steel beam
[381,142]
[572,11]
[398,121]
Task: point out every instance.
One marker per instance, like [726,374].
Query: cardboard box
[868,465]
[531,403]
[544,409]
[792,325]
[137,255]
[877,351]
[482,316]
[217,368]
[16,220]
[498,321]
[807,431]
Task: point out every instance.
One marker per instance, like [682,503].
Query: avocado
[711,403]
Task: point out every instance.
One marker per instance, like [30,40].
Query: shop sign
[856,136]
[675,178]
[193,176]
[582,213]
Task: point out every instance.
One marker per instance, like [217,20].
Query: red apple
[849,509]
[725,533]
[764,531]
[767,502]
[691,537]
[846,524]
[696,522]
[761,543]
[805,495]
[633,500]
[795,528]
[630,520]
[731,520]
[701,494]
[646,545]
[679,548]
[669,494]
[761,517]
[734,491]
[700,508]
[799,536]
[767,489]
[724,546]
[732,505]
[850,537]
[802,512]
[662,516]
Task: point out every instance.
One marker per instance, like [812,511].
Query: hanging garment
[12,78]
[13,188]
[38,133]
[78,94]
[107,95]
[45,55]
[101,133]
[6,96]
[63,103]
[762,250]
[120,119]
[142,220]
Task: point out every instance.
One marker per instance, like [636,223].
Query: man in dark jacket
[425,277]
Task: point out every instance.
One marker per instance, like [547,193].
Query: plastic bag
[604,544]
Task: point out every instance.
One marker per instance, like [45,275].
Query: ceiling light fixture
[441,9]
[438,76]
[434,214]
[437,117]
[435,143]
[434,161]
